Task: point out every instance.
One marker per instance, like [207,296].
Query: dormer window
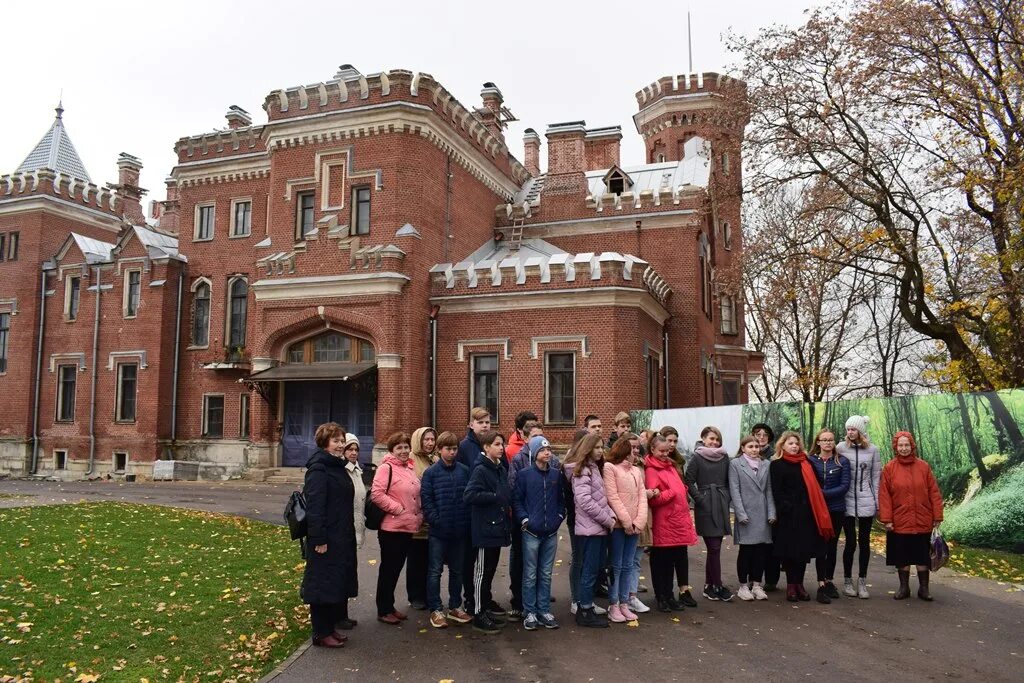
[617,181]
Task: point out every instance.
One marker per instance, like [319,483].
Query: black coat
[796,533]
[330,577]
[489,498]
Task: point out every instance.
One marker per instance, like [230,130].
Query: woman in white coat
[861,502]
[351,453]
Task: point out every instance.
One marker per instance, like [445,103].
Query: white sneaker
[744,593]
[848,588]
[599,610]
[758,592]
[637,606]
[862,589]
[572,608]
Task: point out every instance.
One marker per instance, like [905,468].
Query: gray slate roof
[56,152]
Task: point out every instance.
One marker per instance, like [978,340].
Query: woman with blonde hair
[861,502]
[594,521]
[423,456]
[627,497]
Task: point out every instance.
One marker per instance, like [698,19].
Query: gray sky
[137,76]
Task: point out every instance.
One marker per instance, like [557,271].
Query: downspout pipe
[95,376]
[177,360]
[433,365]
[34,467]
[664,356]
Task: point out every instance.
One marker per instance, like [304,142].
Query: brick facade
[500,260]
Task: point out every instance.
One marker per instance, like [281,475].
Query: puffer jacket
[672,522]
[489,500]
[442,490]
[470,451]
[865,471]
[593,515]
[909,496]
[834,479]
[538,500]
[624,487]
[401,501]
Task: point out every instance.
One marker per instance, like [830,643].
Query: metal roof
[158,244]
[94,250]
[693,169]
[56,152]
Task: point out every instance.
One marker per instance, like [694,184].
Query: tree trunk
[1007,427]
[972,442]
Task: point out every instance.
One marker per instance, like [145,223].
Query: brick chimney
[169,207]
[127,189]
[601,147]
[238,117]
[491,115]
[566,158]
[531,151]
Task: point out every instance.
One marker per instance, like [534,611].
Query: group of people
[454,504]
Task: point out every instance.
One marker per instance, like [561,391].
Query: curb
[283,666]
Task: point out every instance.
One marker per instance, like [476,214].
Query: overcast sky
[138,76]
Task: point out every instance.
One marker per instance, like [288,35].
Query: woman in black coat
[330,577]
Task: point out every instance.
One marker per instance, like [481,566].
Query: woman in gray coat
[707,477]
[861,501]
[751,493]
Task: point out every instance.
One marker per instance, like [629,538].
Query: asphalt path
[974,630]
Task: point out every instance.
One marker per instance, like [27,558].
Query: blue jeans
[538,560]
[623,548]
[593,552]
[634,577]
[440,552]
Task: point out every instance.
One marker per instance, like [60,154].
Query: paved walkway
[973,630]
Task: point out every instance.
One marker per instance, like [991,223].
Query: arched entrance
[328,377]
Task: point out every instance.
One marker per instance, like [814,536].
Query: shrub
[994,518]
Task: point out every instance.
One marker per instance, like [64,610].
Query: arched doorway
[328,377]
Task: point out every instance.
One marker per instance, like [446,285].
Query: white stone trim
[61,207]
[580,339]
[389,361]
[13,303]
[356,284]
[118,355]
[464,344]
[232,227]
[594,297]
[606,224]
[56,358]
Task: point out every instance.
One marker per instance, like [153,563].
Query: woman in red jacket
[910,506]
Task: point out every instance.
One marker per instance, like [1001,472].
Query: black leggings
[795,570]
[825,564]
[666,561]
[394,548]
[858,536]
[751,560]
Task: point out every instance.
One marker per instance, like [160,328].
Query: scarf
[814,494]
[753,462]
[710,454]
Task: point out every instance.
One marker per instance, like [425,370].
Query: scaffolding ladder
[515,238]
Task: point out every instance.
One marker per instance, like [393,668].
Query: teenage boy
[519,437]
[539,508]
[489,499]
[521,461]
[592,424]
[470,453]
[623,425]
[441,492]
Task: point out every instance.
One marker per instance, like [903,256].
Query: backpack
[373,513]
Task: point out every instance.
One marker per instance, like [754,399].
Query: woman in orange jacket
[910,506]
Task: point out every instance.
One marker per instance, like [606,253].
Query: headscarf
[420,459]
[913,444]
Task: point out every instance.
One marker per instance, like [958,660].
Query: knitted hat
[538,443]
[858,422]
[351,438]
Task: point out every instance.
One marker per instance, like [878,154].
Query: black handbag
[295,516]
[375,514]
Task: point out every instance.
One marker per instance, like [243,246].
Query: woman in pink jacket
[396,491]
[627,497]
[673,527]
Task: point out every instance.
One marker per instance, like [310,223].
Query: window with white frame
[361,211]
[560,387]
[304,224]
[238,301]
[241,218]
[727,234]
[126,393]
[730,392]
[72,296]
[132,292]
[243,416]
[67,380]
[483,388]
[728,314]
[725,163]
[213,416]
[201,314]
[205,216]
[653,381]
[12,246]
[5,330]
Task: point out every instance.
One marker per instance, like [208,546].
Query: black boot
[663,605]
[922,579]
[587,618]
[903,592]
[822,596]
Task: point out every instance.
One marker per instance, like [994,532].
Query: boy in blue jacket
[539,508]
[445,511]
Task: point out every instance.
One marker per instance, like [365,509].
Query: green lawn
[1006,568]
[132,592]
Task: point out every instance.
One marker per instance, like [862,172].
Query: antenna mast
[689,41]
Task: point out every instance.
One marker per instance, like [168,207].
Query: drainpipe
[433,364]
[664,356]
[177,350]
[39,373]
[447,205]
[95,372]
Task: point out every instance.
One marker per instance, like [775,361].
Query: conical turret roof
[56,152]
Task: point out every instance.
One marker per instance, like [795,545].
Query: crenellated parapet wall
[47,182]
[691,100]
[707,82]
[220,143]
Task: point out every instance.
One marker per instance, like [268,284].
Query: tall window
[12,246]
[204,221]
[653,377]
[201,315]
[5,329]
[728,308]
[727,234]
[560,388]
[304,214]
[132,292]
[725,163]
[730,392]
[213,416]
[241,225]
[484,387]
[3,246]
[243,416]
[127,384]
[361,211]
[238,298]
[704,262]
[67,376]
[72,297]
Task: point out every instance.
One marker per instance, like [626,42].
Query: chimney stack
[601,147]
[531,151]
[127,189]
[237,117]
[566,158]
[169,207]
[491,115]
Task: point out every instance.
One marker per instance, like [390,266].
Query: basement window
[120,461]
[60,460]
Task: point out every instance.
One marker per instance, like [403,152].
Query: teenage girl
[707,477]
[752,500]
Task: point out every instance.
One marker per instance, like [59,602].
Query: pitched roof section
[56,152]
[94,250]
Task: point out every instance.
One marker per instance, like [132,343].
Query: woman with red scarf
[910,506]
[803,524]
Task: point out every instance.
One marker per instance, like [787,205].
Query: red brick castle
[373,254]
